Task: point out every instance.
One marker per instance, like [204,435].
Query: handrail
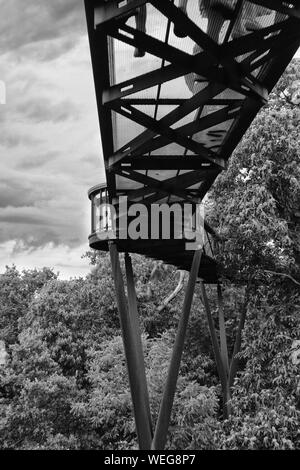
[99,227]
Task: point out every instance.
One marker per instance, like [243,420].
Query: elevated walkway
[171,117]
[177,87]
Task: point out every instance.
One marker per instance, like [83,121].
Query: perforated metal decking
[171,118]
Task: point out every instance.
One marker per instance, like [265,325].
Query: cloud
[10,139]
[38,209]
[31,22]
[49,50]
[44,109]
[35,161]
[49,142]
[63,259]
[24,215]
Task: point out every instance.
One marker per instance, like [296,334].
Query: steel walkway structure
[178,83]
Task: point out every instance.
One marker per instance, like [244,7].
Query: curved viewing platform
[164,232]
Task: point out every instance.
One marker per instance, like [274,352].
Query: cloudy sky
[49,141]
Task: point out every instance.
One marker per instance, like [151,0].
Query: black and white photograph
[150,228]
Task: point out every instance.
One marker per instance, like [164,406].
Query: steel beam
[101,81]
[187,107]
[142,82]
[290,8]
[162,425]
[163,50]
[223,374]
[233,69]
[217,117]
[222,329]
[168,162]
[176,101]
[108,11]
[174,185]
[133,348]
[133,315]
[255,41]
[173,135]
[209,68]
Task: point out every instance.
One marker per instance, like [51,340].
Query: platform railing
[106,226]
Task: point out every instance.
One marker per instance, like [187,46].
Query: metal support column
[224,354]
[162,425]
[223,339]
[223,373]
[133,348]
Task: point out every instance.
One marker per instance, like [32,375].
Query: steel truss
[265,54]
[216,63]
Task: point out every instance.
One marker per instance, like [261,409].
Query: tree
[16,292]
[255,206]
[108,411]
[64,383]
[256,202]
[266,395]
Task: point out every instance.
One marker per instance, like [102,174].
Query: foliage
[109,409]
[266,395]
[256,202]
[64,383]
[16,291]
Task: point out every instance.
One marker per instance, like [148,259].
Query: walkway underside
[171,119]
[171,252]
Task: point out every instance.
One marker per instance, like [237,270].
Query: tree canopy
[63,382]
